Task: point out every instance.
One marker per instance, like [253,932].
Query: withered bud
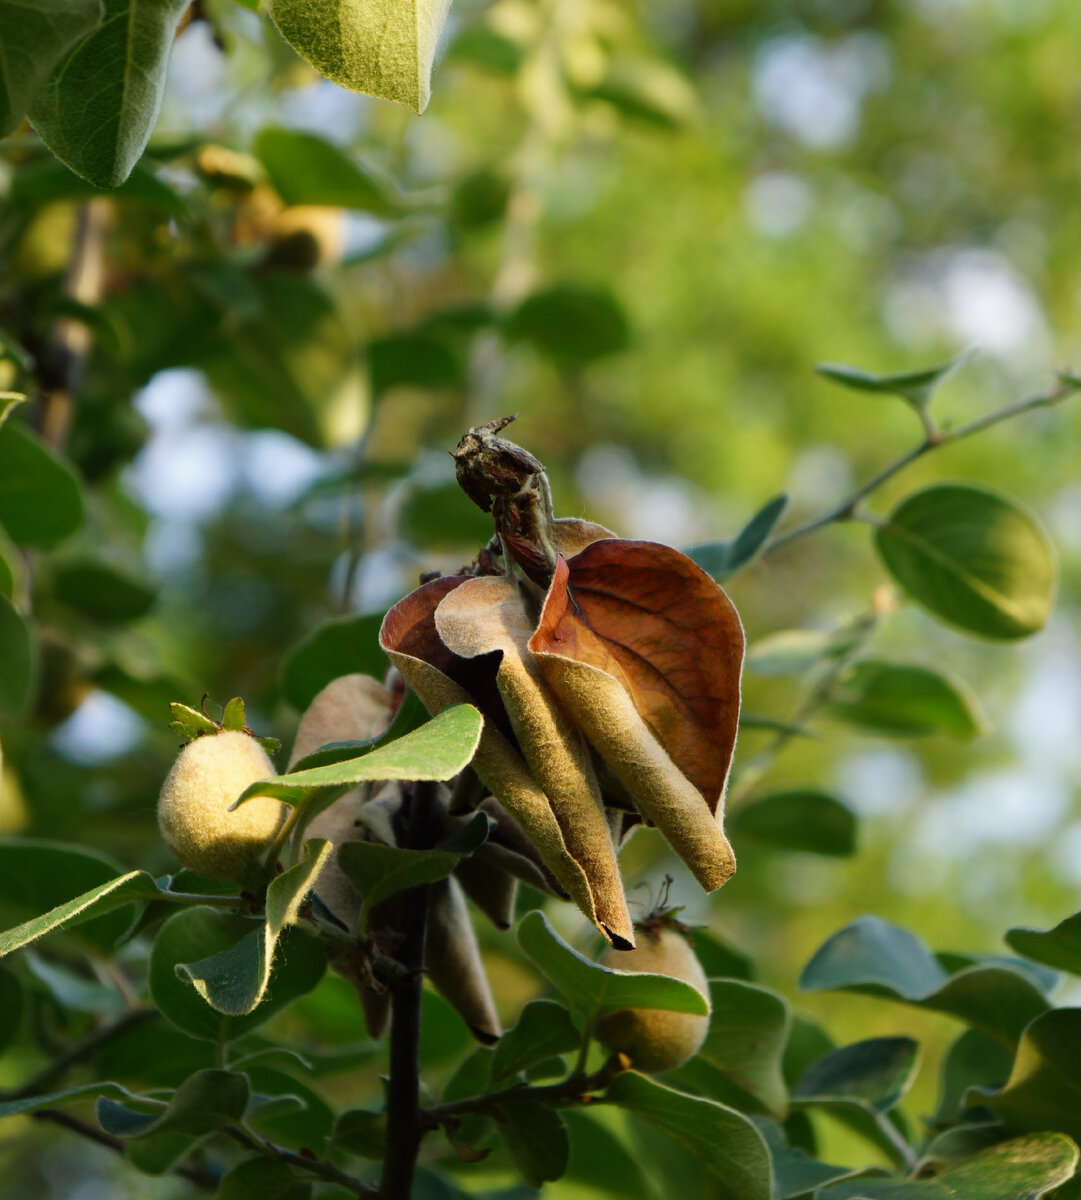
[488,466]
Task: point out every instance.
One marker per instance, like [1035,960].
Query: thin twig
[201,1177]
[82,1050]
[574,1090]
[846,509]
[318,1167]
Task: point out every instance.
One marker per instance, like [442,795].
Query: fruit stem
[404,1132]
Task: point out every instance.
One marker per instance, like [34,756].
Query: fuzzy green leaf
[34,37]
[97,110]
[385,48]
[726,1141]
[544,1030]
[593,989]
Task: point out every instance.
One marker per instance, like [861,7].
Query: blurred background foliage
[640,226]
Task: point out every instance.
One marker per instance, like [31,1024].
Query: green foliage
[587,230]
[973,557]
[591,989]
[97,109]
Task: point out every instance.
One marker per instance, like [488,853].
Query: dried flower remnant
[578,645]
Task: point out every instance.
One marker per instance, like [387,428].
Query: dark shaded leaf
[544,1030]
[34,37]
[574,323]
[262,1179]
[722,559]
[17,655]
[880,959]
[40,501]
[412,360]
[805,820]
[102,592]
[343,646]
[728,1143]
[1059,947]
[899,700]
[537,1140]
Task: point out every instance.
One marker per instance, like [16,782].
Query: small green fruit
[193,809]
[652,1039]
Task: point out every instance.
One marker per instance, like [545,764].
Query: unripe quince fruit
[651,1038]
[193,809]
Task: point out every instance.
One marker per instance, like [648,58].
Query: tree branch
[847,508]
[404,1131]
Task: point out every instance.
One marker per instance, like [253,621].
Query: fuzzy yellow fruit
[193,809]
[651,1038]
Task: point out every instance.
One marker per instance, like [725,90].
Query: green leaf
[98,108]
[789,652]
[40,502]
[1043,1090]
[740,1061]
[190,722]
[795,1173]
[726,1141]
[649,89]
[50,182]
[440,516]
[544,1030]
[1025,1168]
[1058,947]
[973,1060]
[859,1084]
[574,323]
[195,934]
[411,715]
[234,981]
[362,1132]
[972,557]
[803,819]
[291,364]
[37,875]
[916,387]
[435,751]
[34,37]
[102,592]
[536,1139]
[262,1179]
[343,646]
[204,1102]
[723,559]
[601,1161]
[71,988]
[593,989]
[306,169]
[17,655]
[879,959]
[412,360]
[290,1112]
[385,48]
[9,401]
[234,717]
[378,871]
[11,1008]
[720,959]
[898,700]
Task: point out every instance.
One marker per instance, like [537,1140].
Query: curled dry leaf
[603,648]
[452,961]
[645,651]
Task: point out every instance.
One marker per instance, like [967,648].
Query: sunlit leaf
[973,557]
[1025,1168]
[306,169]
[383,47]
[234,981]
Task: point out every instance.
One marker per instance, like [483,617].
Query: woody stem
[404,1132]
